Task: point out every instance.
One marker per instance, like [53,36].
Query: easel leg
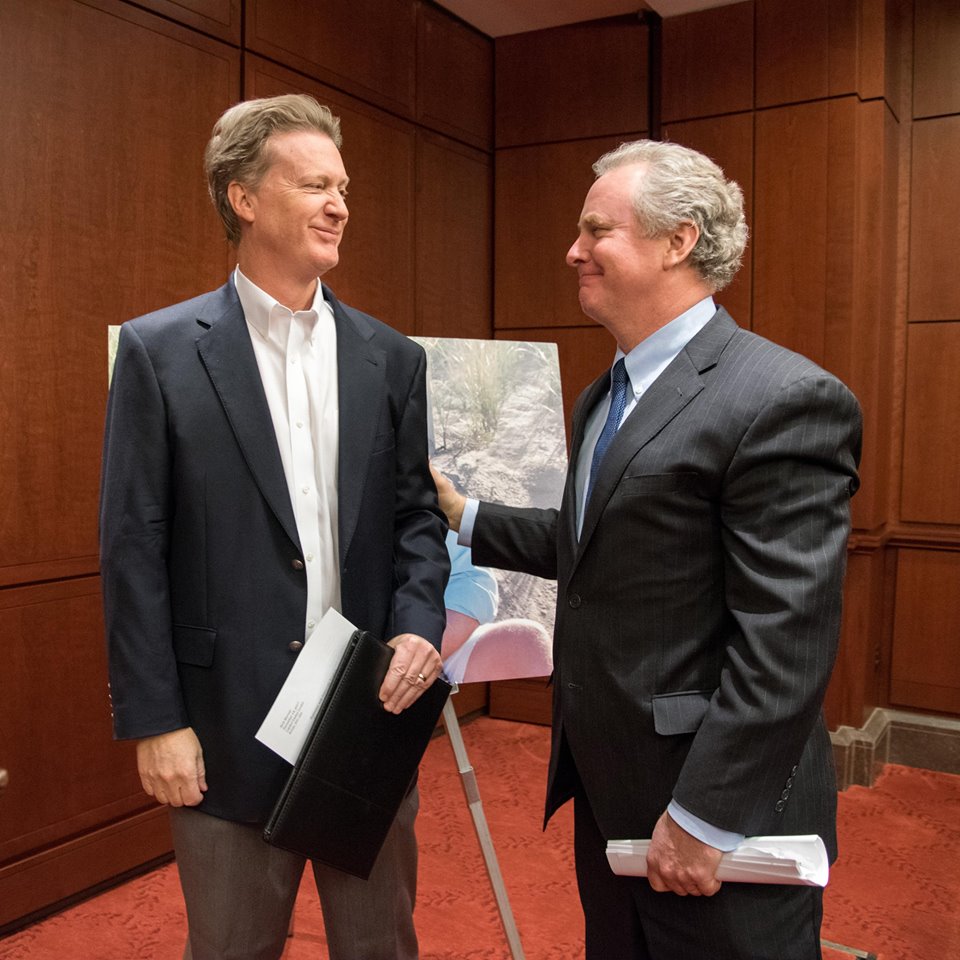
[472,793]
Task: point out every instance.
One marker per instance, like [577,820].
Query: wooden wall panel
[585,352]
[790,232]
[931,439]
[361,46]
[862,290]
[729,141]
[539,195]
[454,78]
[376,269]
[935,220]
[936,42]
[66,775]
[805,53]
[220,18]
[583,80]
[853,687]
[925,670]
[92,235]
[708,63]
[454,253]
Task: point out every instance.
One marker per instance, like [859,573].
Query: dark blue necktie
[618,401]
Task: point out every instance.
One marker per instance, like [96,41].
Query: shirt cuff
[467,520]
[703,831]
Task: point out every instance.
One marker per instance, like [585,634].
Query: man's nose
[575,254]
[337,207]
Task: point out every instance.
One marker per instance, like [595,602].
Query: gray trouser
[239,892]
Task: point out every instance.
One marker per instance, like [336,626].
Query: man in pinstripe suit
[699,552]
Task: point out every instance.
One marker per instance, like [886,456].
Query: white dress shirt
[297,358]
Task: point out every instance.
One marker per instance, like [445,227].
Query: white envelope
[287,723]
[793,860]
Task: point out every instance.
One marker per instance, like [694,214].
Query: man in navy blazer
[265,459]
[699,550]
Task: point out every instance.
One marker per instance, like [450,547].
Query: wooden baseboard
[895,736]
[527,701]
[48,881]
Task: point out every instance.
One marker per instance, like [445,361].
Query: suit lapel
[361,377]
[664,400]
[227,355]
[587,400]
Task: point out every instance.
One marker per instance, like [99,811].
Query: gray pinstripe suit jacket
[699,612]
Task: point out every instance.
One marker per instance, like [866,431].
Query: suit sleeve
[516,538]
[134,536]
[784,522]
[421,562]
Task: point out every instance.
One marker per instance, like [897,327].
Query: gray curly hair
[684,186]
[237,147]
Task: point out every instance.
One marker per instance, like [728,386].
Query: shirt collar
[652,354]
[259,306]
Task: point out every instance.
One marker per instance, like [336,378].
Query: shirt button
[311,623]
[299,424]
[296,563]
[304,489]
[309,556]
[296,645]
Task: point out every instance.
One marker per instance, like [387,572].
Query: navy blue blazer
[203,579]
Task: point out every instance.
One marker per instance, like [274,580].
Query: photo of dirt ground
[498,434]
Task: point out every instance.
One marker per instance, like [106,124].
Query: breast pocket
[650,484]
[383,442]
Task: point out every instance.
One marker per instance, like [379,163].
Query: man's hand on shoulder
[679,862]
[414,667]
[171,767]
[451,502]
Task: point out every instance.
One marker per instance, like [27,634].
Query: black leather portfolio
[356,765]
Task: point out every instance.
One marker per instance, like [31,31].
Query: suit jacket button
[785,794]
[778,806]
[296,563]
[296,645]
[575,600]
[793,772]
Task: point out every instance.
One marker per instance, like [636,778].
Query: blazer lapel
[227,355]
[361,376]
[666,397]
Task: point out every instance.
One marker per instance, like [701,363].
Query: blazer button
[778,806]
[575,600]
[296,645]
[296,563]
[785,794]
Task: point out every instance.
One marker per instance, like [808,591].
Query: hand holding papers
[793,860]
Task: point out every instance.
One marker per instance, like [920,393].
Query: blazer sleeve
[421,562]
[134,536]
[784,523]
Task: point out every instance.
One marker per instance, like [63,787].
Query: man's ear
[241,200]
[680,242]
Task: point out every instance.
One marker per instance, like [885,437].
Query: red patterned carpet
[894,893]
